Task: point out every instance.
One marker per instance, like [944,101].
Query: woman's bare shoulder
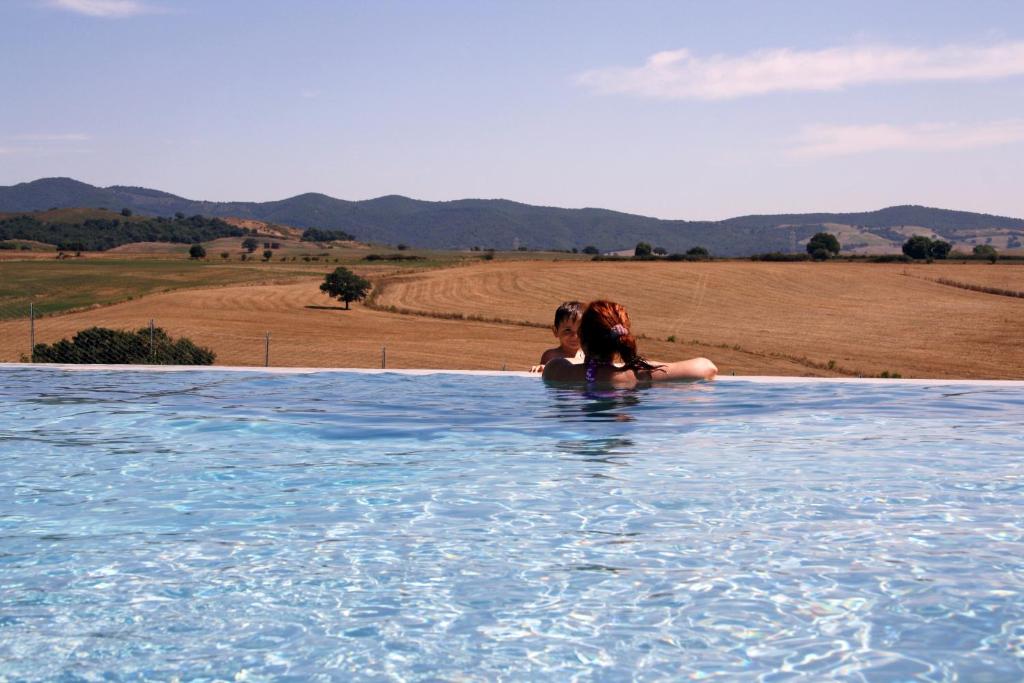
[561,369]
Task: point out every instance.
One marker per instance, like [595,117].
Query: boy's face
[567,333]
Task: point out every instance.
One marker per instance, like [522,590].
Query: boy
[565,329]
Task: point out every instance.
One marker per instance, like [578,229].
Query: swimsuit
[592,365]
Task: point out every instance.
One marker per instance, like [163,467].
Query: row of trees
[100,234]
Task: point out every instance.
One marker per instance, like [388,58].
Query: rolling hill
[505,224]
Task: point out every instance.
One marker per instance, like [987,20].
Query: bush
[103,345]
[592,250]
[821,254]
[890,258]
[267,254]
[660,251]
[126,212]
[986,251]
[779,256]
[196,251]
[225,255]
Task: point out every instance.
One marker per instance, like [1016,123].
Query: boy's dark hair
[568,310]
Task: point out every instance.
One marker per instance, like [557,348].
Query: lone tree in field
[917,247]
[823,242]
[921,247]
[986,251]
[250,244]
[345,285]
[642,249]
[196,251]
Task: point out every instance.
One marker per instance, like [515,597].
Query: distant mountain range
[504,224]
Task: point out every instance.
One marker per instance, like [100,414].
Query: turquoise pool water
[251,526]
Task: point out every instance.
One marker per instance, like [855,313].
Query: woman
[606,338]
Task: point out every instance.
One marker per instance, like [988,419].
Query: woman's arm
[693,369]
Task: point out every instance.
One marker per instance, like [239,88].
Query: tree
[825,241]
[642,249]
[179,215]
[267,254]
[986,251]
[126,212]
[940,249]
[250,244]
[660,251]
[917,247]
[698,252]
[592,250]
[345,285]
[196,251]
[403,247]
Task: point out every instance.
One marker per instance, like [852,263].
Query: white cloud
[104,8]
[819,141]
[52,137]
[678,74]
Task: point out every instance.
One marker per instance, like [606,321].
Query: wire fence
[37,338]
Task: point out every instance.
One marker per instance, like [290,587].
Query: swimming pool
[253,526]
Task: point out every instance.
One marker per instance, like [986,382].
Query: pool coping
[763,379]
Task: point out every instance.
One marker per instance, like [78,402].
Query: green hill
[504,224]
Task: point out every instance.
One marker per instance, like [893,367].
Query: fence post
[152,342]
[266,351]
[32,332]
[383,357]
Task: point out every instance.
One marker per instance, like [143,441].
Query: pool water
[253,526]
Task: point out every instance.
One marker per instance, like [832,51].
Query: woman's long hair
[605,332]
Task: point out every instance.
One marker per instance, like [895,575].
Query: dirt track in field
[750,318]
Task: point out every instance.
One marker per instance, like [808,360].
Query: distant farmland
[824,319]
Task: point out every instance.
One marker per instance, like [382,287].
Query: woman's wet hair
[605,332]
[568,310]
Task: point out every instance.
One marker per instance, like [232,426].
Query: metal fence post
[32,332]
[152,342]
[383,357]
[266,351]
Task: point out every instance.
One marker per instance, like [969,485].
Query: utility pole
[383,357]
[266,351]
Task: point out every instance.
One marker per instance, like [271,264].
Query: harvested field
[309,330]
[750,318]
[860,318]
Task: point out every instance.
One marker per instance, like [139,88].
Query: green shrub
[103,345]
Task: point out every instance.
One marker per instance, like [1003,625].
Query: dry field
[309,330]
[862,319]
[750,318]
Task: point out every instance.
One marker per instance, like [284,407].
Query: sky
[689,110]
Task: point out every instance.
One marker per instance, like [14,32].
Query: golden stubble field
[750,318]
[858,319]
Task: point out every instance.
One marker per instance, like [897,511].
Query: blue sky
[691,110]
